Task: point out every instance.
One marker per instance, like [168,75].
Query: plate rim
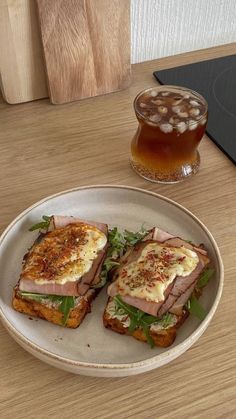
[131,365]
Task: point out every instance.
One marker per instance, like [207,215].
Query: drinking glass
[172,121]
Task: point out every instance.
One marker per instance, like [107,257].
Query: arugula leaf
[139,318]
[132,238]
[66,305]
[149,320]
[204,278]
[115,250]
[42,224]
[134,314]
[109,264]
[150,341]
[195,308]
[118,244]
[193,305]
[133,324]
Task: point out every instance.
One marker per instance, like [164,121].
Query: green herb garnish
[132,238]
[193,305]
[140,319]
[195,308]
[118,244]
[66,303]
[115,250]
[204,278]
[42,224]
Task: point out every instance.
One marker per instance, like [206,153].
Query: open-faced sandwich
[155,286]
[63,270]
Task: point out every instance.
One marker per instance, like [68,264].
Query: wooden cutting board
[86,46]
[21,59]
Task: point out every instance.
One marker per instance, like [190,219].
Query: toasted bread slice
[51,313]
[162,337]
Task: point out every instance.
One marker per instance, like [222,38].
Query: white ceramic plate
[91,349]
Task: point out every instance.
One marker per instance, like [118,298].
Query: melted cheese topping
[156,268]
[64,254]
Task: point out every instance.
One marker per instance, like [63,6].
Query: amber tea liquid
[172,122]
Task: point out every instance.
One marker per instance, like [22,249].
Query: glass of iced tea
[172,121]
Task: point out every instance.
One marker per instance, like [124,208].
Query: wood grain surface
[86,46]
[21,59]
[46,149]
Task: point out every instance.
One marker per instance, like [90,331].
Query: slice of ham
[179,291]
[178,242]
[69,288]
[59,221]
[180,286]
[158,235]
[163,236]
[177,307]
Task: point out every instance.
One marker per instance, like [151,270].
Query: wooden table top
[46,149]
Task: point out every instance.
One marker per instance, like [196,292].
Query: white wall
[168,27]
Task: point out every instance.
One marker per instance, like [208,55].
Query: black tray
[215,80]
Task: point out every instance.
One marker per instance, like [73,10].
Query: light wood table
[46,149]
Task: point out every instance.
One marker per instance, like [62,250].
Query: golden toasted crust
[37,309]
[162,338]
